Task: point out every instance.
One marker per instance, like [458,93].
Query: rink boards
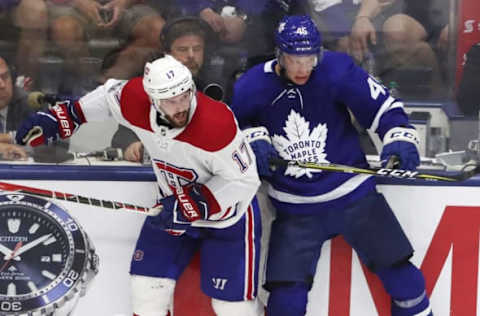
[442,222]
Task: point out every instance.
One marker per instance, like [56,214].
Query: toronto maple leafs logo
[301,144]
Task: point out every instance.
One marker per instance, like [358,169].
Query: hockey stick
[111,205]
[380,172]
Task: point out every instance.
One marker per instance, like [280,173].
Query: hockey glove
[186,205]
[161,216]
[46,127]
[261,144]
[401,142]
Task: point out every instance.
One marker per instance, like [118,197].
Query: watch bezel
[73,275]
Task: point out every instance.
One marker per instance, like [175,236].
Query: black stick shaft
[113,205]
[379,172]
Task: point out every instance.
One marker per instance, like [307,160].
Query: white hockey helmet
[166,78]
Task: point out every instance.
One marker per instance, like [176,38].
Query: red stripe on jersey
[227,213]
[135,104]
[186,174]
[250,260]
[175,232]
[212,127]
[79,111]
[213,206]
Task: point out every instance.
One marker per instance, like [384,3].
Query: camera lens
[214,91]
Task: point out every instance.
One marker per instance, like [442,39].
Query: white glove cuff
[403,134]
[257,133]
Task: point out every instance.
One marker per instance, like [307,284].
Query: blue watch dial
[38,248]
[44,256]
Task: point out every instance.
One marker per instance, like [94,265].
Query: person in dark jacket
[13,109]
[468,94]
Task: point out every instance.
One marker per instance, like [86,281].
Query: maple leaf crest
[301,144]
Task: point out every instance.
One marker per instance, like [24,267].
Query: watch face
[42,253]
[41,248]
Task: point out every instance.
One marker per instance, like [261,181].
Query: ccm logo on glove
[257,133]
[403,143]
[402,134]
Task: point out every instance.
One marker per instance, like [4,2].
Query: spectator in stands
[351,26]
[368,20]
[13,105]
[334,19]
[188,39]
[410,34]
[232,19]
[73,21]
[227,18]
[25,22]
[468,94]
[413,36]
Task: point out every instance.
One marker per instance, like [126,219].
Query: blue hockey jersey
[311,122]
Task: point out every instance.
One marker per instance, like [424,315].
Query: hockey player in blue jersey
[298,107]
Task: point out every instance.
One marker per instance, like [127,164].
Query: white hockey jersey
[210,150]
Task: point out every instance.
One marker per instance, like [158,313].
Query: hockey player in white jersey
[206,175]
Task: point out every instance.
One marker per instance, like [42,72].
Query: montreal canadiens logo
[175,176]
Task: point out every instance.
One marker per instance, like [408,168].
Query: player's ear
[279,56]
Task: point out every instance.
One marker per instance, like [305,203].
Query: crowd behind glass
[54,49]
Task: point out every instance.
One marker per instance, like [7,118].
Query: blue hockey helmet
[298,35]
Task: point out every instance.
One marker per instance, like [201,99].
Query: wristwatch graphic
[46,258]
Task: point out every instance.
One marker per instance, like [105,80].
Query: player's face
[189,50]
[177,109]
[298,68]
[6,85]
